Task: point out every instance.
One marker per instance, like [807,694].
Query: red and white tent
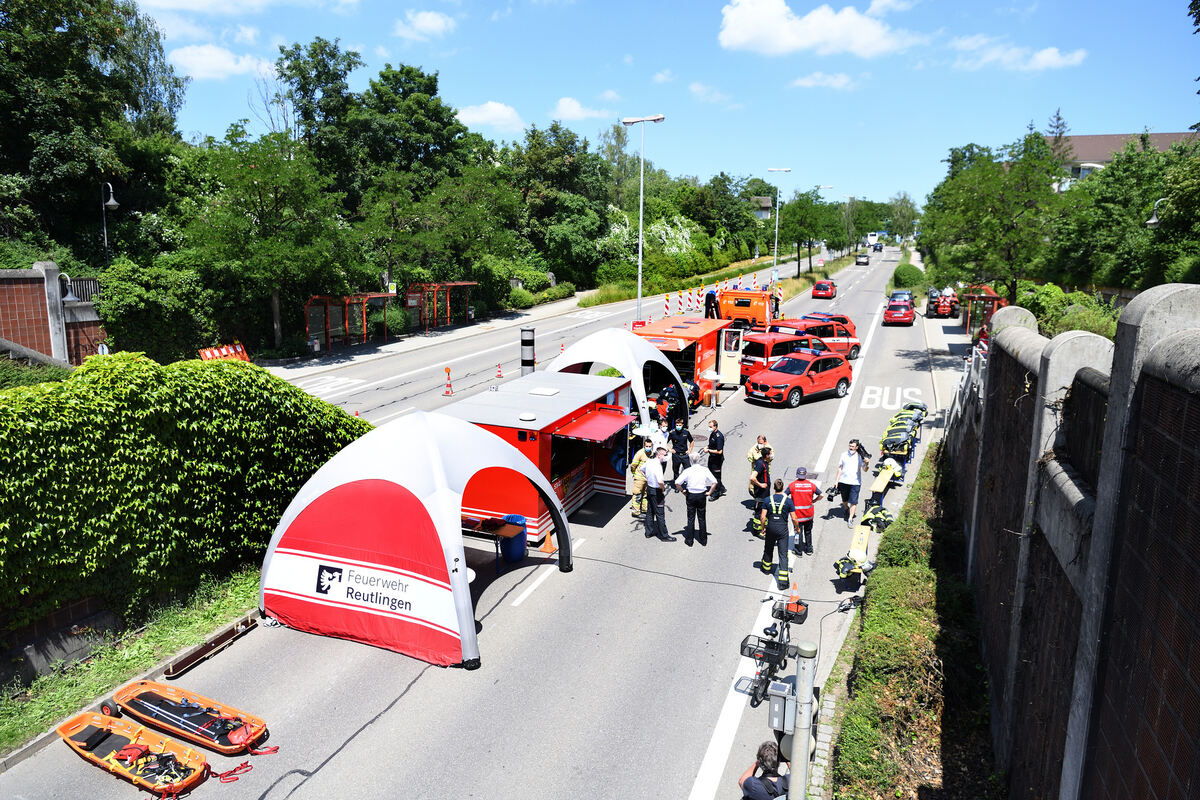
[371,548]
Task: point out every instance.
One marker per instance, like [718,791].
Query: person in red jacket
[804,494]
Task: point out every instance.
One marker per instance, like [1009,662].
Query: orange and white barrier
[225,352]
[449,389]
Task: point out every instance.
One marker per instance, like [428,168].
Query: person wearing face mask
[681,448]
[656,506]
[659,436]
[645,453]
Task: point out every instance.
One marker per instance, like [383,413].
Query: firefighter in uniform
[638,506]
[804,493]
[776,513]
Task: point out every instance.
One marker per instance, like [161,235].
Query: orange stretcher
[191,716]
[145,758]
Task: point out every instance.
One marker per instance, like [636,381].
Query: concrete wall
[1089,595]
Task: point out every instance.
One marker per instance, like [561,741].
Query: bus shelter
[979,303]
[434,304]
[341,320]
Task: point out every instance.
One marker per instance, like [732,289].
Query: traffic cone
[756,281]
[499,373]
[562,348]
[356,413]
[449,389]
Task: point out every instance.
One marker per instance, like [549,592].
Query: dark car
[862,259]
[878,248]
[901,296]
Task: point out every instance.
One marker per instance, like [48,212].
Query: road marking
[325,386]
[882,396]
[708,778]
[835,429]
[546,573]
[590,315]
[476,354]
[396,414]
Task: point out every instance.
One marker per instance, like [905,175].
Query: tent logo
[326,577]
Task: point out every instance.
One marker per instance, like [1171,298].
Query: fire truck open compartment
[573,427]
[695,348]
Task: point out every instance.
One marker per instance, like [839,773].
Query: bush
[13,373]
[132,481]
[906,275]
[398,321]
[520,298]
[560,291]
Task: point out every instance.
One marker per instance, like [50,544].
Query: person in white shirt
[698,482]
[849,480]
[656,504]
[659,435]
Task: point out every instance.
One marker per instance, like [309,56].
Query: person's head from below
[768,758]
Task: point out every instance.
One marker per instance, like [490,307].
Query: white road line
[319,386]
[548,569]
[444,364]
[396,414]
[708,778]
[835,430]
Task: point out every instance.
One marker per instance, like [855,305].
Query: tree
[69,71]
[271,229]
[800,220]
[990,219]
[902,212]
[1056,132]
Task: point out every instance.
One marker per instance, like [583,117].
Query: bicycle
[772,653]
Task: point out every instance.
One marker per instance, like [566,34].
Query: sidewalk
[371,351]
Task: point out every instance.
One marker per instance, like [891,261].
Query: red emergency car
[832,317]
[761,350]
[826,289]
[800,375]
[837,335]
[899,314]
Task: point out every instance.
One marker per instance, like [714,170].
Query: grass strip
[25,713]
[915,723]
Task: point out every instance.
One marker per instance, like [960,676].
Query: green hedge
[559,291]
[131,481]
[13,373]
[907,275]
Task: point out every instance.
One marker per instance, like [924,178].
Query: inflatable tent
[371,548]
[626,352]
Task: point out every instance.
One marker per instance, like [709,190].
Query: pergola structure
[343,319]
[424,299]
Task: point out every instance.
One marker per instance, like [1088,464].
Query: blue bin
[514,548]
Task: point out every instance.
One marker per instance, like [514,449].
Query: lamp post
[627,121]
[110,204]
[1153,221]
[775,261]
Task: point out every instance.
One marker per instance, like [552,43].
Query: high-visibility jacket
[803,493]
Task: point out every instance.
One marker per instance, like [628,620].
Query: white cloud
[880,7]
[498,15]
[231,7]
[707,94]
[571,109]
[610,95]
[980,51]
[245,34]
[382,52]
[421,26]
[177,28]
[663,76]
[210,62]
[494,115]
[771,28]
[820,80]
[628,59]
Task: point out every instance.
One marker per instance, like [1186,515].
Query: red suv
[826,289]
[804,373]
[761,350]
[836,335]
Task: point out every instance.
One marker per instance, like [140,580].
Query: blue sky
[867,98]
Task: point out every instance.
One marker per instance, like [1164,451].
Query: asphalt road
[612,681]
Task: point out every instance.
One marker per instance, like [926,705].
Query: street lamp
[110,204]
[775,261]
[641,193]
[1153,221]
